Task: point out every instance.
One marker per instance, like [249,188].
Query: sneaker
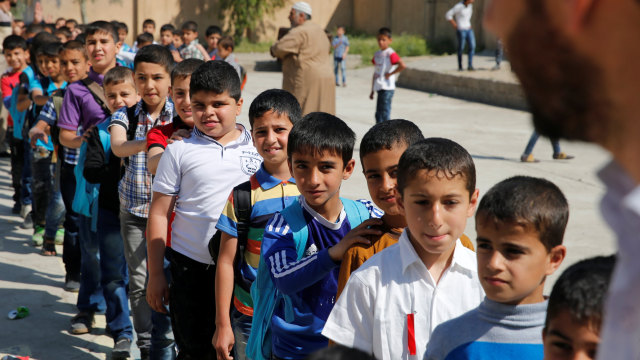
[471,68]
[82,323]
[25,210]
[60,236]
[16,208]
[495,67]
[344,84]
[38,236]
[28,221]
[562,156]
[72,283]
[121,349]
[528,158]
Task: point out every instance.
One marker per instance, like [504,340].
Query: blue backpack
[85,200]
[264,293]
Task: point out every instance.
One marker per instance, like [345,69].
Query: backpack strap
[357,212]
[133,123]
[98,94]
[298,224]
[57,97]
[242,208]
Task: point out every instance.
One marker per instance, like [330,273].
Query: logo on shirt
[313,249]
[250,164]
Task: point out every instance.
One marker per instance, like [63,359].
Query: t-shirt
[268,196]
[158,136]
[201,172]
[7,83]
[491,331]
[340,43]
[311,282]
[462,15]
[385,62]
[79,108]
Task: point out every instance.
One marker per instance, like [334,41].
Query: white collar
[462,259]
[319,218]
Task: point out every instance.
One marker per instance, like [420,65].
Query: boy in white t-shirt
[393,302]
[196,175]
[387,65]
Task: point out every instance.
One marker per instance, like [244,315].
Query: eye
[562,346]
[373,177]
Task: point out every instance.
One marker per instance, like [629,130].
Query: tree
[245,14]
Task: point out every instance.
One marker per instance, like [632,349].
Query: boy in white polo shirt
[196,175]
[393,302]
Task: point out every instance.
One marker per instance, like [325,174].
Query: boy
[272,115]
[213,35]
[144,39]
[123,31]
[194,174]
[225,52]
[387,64]
[177,39]
[302,245]
[159,136]
[393,302]
[128,129]
[520,225]
[63,34]
[340,44]
[189,49]
[574,315]
[166,36]
[149,26]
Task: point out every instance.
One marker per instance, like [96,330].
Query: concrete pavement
[494,136]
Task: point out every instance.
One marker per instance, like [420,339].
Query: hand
[37,13]
[355,236]
[223,341]
[36,134]
[371,95]
[344,56]
[387,75]
[158,293]
[176,55]
[87,134]
[179,135]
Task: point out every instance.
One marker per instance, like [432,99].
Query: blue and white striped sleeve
[374,211]
[289,274]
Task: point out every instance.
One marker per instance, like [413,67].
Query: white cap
[303,7]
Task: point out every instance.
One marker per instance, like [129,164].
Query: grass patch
[249,47]
[404,45]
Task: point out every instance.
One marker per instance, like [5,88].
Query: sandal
[49,247]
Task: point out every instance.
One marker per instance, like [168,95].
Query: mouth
[210,124]
[494,281]
[436,237]
[272,150]
[315,193]
[186,112]
[391,199]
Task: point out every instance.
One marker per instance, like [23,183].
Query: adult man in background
[577,62]
[460,18]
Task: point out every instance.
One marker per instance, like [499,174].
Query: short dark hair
[120,25]
[145,37]
[75,45]
[117,75]
[227,42]
[149,22]
[177,32]
[154,54]
[340,352]
[34,28]
[213,29]
[167,27]
[385,31]
[82,37]
[185,68]
[190,25]
[387,134]
[533,203]
[73,21]
[102,27]
[38,42]
[12,42]
[63,30]
[216,76]
[318,132]
[443,156]
[279,101]
[52,49]
[581,291]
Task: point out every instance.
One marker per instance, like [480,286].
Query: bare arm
[401,66]
[69,139]
[453,23]
[123,148]
[204,52]
[223,338]
[159,214]
[153,158]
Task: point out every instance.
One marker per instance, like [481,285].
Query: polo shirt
[462,15]
[79,108]
[268,196]
[372,311]
[201,172]
[158,136]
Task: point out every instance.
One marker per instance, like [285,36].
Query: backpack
[264,293]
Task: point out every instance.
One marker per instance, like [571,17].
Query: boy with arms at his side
[303,245]
[196,175]
[574,315]
[272,115]
[520,225]
[393,302]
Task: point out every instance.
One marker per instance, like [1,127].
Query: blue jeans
[55,214]
[555,144]
[383,105]
[26,174]
[41,186]
[465,36]
[90,296]
[241,325]
[340,65]
[71,245]
[163,345]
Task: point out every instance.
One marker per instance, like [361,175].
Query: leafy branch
[246,14]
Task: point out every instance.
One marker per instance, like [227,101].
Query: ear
[171,92]
[578,13]
[473,203]
[400,202]
[348,169]
[556,256]
[239,106]
[290,166]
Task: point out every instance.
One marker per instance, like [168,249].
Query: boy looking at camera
[387,64]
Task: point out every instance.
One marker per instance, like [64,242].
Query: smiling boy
[520,225]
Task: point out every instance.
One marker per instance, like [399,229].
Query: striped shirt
[268,196]
[135,186]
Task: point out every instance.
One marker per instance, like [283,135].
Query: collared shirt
[79,108]
[135,186]
[48,114]
[341,43]
[462,15]
[371,314]
[201,172]
[268,196]
[621,209]
[191,51]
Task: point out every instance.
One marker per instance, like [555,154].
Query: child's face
[340,31]
[166,37]
[513,263]
[380,169]
[383,42]
[18,28]
[318,178]
[270,136]
[16,58]
[63,39]
[182,100]
[52,66]
[215,114]
[40,59]
[212,40]
[71,25]
[102,50]
[60,23]
[152,82]
[122,35]
[224,52]
[567,339]
[119,95]
[149,28]
[436,209]
[74,65]
[177,41]
[188,36]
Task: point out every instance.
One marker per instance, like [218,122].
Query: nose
[388,183]
[271,137]
[495,261]
[314,176]
[435,219]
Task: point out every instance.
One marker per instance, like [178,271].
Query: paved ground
[494,136]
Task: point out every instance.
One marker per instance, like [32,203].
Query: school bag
[264,293]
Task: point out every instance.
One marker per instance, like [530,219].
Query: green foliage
[404,45]
[249,47]
[245,14]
